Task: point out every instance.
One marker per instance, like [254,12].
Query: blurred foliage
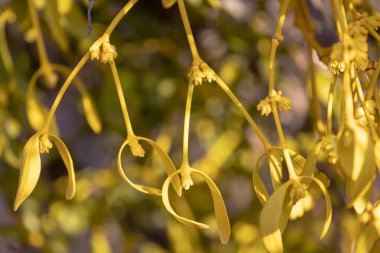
[234,37]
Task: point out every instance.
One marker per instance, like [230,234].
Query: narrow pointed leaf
[138,187]
[68,161]
[167,162]
[326,195]
[354,146]
[222,220]
[37,113]
[258,184]
[166,202]
[91,114]
[275,167]
[366,239]
[311,162]
[168,3]
[272,219]
[30,170]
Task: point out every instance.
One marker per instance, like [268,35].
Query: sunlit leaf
[275,211]
[258,184]
[67,160]
[91,114]
[326,194]
[215,3]
[354,146]
[30,170]
[366,239]
[222,219]
[168,164]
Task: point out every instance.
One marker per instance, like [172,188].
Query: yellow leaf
[274,216]
[258,184]
[167,162]
[275,167]
[30,170]
[37,113]
[222,220]
[366,239]
[326,194]
[91,114]
[354,146]
[67,160]
[168,3]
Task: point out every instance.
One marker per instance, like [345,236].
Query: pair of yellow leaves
[31,165]
[177,184]
[279,205]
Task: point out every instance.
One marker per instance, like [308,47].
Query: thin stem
[372,129]
[186,125]
[189,33]
[330,102]
[374,77]
[277,37]
[39,40]
[315,113]
[246,115]
[120,94]
[340,18]
[119,16]
[63,89]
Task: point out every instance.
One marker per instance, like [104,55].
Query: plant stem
[186,125]
[371,127]
[120,94]
[189,33]
[315,113]
[330,102]
[63,89]
[243,111]
[119,16]
[374,77]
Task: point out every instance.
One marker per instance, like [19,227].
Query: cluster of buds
[102,50]
[200,72]
[283,103]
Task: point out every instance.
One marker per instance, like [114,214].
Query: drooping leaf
[258,184]
[366,239]
[68,161]
[326,194]
[222,219]
[273,216]
[30,170]
[354,144]
[92,115]
[167,162]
